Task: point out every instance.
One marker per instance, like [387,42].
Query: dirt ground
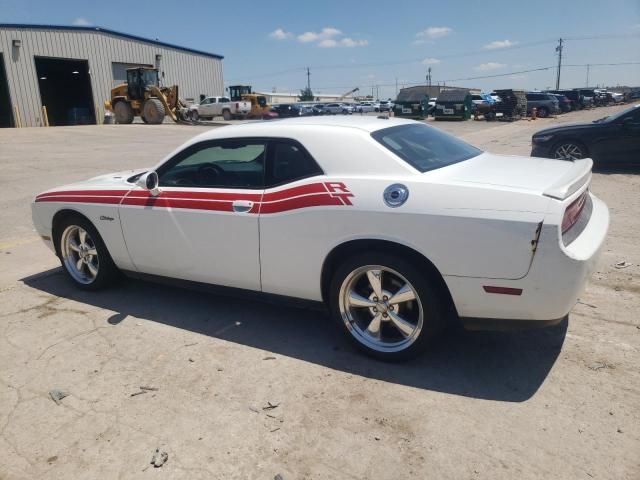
[249,390]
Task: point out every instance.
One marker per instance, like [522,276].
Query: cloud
[82,22]
[324,34]
[434,32]
[517,76]
[485,67]
[328,37]
[430,61]
[350,42]
[499,44]
[280,34]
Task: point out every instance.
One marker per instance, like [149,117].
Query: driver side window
[227,164]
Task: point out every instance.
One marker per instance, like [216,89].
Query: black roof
[453,96]
[106,30]
[413,94]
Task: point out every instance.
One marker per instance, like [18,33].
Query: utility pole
[587,85]
[308,79]
[429,76]
[396,87]
[559,50]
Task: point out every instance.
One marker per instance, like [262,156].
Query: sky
[375,45]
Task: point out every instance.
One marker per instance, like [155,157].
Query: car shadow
[504,366]
[613,170]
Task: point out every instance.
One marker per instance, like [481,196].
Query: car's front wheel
[83,254]
[569,150]
[385,305]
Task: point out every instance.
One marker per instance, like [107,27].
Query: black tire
[153,111]
[565,145]
[107,271]
[396,269]
[144,119]
[194,115]
[123,112]
[543,112]
[226,114]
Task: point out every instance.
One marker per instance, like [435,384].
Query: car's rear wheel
[385,306]
[83,254]
[226,114]
[543,112]
[569,150]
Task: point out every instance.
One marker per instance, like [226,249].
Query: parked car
[563,102]
[318,109]
[384,106]
[617,97]
[365,107]
[573,95]
[335,108]
[477,99]
[347,108]
[292,208]
[545,104]
[613,140]
[286,110]
[211,107]
[306,109]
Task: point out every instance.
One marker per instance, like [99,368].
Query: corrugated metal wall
[194,73]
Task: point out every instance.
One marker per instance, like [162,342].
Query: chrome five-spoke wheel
[79,254]
[381,308]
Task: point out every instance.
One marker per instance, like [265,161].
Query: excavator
[143,96]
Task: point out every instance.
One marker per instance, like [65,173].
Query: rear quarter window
[425,148]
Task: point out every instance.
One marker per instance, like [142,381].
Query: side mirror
[149,181]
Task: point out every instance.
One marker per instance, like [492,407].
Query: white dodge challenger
[391,223]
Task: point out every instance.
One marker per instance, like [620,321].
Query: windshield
[614,117]
[425,148]
[150,77]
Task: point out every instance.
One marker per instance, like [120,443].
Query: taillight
[573,211]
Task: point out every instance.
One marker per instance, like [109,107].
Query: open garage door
[119,71]
[65,89]
[6,119]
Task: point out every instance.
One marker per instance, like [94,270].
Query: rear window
[425,148]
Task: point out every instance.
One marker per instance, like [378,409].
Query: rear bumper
[551,288]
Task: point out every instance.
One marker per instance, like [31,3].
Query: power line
[446,57]
[482,77]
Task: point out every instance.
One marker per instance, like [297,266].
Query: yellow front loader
[143,96]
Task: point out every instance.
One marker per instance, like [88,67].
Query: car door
[210,107]
[295,194]
[623,145]
[203,225]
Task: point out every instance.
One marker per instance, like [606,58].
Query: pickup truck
[211,107]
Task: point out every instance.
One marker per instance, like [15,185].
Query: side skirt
[270,298]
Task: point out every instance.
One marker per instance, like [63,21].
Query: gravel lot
[562,402]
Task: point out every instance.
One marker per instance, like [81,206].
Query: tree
[306,95]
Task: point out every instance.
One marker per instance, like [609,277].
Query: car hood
[110,181]
[572,127]
[542,176]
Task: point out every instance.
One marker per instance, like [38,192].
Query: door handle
[241,206]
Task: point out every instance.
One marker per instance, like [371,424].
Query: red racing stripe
[317,200]
[303,196]
[78,199]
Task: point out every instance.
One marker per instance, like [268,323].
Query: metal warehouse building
[71,70]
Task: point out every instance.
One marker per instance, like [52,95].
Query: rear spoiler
[570,182]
